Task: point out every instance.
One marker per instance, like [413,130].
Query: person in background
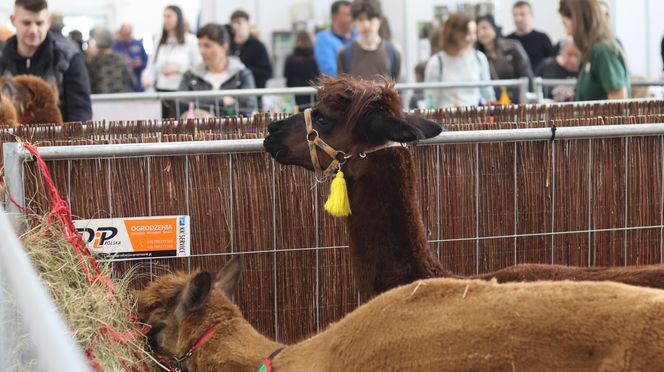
[507,58]
[417,100]
[32,51]
[251,51]
[537,44]
[176,52]
[219,71]
[109,71]
[5,33]
[458,61]
[564,66]
[301,67]
[76,37]
[57,24]
[133,50]
[369,57]
[329,42]
[603,73]
[662,51]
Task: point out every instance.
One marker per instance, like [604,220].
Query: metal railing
[215,96]
[15,155]
[522,85]
[24,301]
[539,84]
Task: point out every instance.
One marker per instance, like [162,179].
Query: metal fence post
[524,83]
[13,156]
[538,89]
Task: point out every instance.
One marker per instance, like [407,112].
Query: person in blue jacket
[329,42]
[125,44]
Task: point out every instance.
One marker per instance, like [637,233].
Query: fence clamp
[553,132]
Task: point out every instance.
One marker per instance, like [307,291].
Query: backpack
[391,53]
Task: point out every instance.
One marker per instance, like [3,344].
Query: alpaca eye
[323,122]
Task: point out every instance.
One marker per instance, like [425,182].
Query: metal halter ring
[314,132]
[341,157]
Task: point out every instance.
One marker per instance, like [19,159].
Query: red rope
[59,210]
[21,208]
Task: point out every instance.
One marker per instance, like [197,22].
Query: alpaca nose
[274,126]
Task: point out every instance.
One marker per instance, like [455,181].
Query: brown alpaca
[436,324]
[387,237]
[33,101]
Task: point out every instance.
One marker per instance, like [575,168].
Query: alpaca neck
[238,347]
[387,236]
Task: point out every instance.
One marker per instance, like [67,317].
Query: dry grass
[88,308]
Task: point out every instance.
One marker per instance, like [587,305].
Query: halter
[177,364]
[339,158]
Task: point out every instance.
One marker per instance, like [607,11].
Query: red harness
[27,117]
[177,364]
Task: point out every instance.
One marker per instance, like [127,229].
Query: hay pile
[93,312]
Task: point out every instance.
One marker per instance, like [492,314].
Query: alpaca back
[8,118]
[39,100]
[477,325]
[33,101]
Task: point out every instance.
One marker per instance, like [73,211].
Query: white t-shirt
[185,56]
[216,78]
[472,67]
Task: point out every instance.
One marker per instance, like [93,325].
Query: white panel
[655,34]
[632,33]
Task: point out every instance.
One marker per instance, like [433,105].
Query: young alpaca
[26,100]
[469,325]
[387,237]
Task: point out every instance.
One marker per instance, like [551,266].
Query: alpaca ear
[229,277]
[194,295]
[8,89]
[409,129]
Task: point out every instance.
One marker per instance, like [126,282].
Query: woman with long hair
[507,58]
[175,52]
[458,61]
[603,73]
[301,67]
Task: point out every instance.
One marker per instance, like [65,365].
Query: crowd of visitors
[358,42]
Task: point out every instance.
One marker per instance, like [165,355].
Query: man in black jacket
[34,51]
[537,44]
[251,51]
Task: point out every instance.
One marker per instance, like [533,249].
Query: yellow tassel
[504,98]
[337,203]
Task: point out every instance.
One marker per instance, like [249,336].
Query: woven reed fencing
[593,202]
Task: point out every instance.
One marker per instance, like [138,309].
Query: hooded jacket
[239,77]
[58,61]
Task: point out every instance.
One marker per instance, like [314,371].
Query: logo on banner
[100,236]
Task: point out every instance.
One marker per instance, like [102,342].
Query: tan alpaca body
[435,324]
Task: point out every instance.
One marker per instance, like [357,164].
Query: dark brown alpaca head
[34,100]
[175,304]
[353,116]
[387,240]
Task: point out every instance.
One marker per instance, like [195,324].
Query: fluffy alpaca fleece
[387,237]
[33,101]
[8,118]
[434,324]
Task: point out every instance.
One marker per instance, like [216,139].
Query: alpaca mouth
[274,149]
